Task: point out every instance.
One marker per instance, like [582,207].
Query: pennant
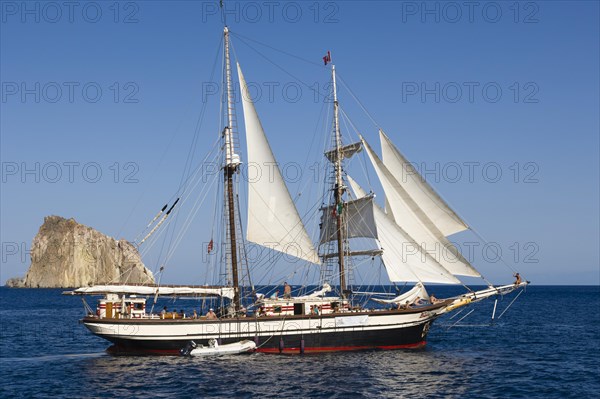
[327,58]
[210,246]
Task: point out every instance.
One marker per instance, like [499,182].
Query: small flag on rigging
[327,58]
[210,246]
[337,210]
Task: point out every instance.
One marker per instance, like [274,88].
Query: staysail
[403,258]
[416,223]
[436,209]
[273,220]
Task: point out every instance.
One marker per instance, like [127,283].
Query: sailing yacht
[327,318]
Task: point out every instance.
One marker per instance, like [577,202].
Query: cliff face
[66,254]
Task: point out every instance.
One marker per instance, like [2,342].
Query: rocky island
[67,254]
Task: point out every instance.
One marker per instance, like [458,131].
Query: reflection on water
[543,347]
[372,374]
[51,358]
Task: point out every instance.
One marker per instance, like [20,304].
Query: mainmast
[232,162]
[339,186]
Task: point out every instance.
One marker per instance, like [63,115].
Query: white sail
[436,209]
[273,220]
[418,291]
[416,223]
[403,258]
[357,216]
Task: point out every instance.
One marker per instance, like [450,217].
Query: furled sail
[346,151]
[356,215]
[226,292]
[418,291]
[273,220]
[416,223]
[436,209]
[403,258]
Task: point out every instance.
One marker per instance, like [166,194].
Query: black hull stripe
[334,341]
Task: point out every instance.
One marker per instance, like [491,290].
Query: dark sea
[547,345]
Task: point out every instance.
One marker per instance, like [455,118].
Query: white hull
[348,331]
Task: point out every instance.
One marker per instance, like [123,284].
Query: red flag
[327,58]
[210,246]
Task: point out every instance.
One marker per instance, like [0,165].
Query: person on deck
[211,315]
[433,299]
[163,313]
[195,316]
[287,291]
[517,279]
[275,295]
[417,302]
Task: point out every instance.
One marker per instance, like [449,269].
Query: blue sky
[486,88]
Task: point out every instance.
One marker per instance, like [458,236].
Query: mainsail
[273,220]
[416,223]
[436,209]
[403,258]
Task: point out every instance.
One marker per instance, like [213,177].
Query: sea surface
[547,345]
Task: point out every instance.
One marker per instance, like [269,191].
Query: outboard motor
[185,351]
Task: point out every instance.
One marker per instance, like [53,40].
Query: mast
[231,164]
[339,186]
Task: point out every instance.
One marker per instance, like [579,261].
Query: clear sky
[496,101]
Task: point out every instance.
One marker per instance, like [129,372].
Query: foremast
[339,185]
[232,162]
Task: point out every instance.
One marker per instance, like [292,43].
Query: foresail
[436,209]
[357,216]
[273,220]
[416,223]
[403,258]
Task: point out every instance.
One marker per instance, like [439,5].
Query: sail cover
[436,209]
[273,220]
[416,223]
[357,215]
[403,258]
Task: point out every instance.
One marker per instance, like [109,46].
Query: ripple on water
[543,347]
